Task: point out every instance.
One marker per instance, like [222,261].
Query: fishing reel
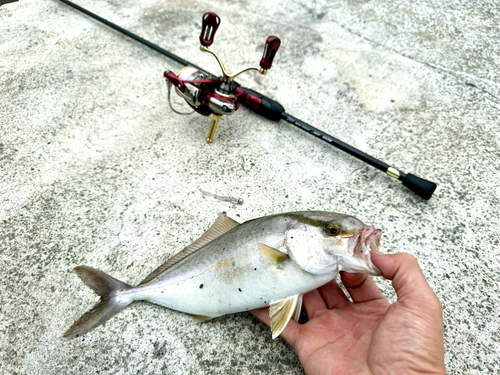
[217,96]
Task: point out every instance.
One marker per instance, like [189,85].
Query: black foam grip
[420,186]
[269,108]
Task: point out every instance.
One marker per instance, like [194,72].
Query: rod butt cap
[422,187]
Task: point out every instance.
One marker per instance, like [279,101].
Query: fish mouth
[360,246]
[371,238]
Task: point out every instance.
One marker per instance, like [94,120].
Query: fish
[271,261]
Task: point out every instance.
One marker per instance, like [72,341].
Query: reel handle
[210,24]
[272,45]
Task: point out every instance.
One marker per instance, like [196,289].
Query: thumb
[406,275]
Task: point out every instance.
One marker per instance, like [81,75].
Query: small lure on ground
[222,197]
[270,261]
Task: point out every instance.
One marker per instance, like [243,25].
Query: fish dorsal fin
[280,314]
[271,254]
[222,225]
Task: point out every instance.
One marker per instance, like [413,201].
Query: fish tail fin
[111,303]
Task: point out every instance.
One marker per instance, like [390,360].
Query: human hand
[370,336]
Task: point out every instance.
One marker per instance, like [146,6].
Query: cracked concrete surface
[95,169]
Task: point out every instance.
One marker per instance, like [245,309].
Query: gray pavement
[95,169]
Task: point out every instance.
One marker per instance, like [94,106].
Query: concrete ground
[95,168]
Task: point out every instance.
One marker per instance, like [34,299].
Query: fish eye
[332,230]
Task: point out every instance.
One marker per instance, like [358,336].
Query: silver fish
[270,261]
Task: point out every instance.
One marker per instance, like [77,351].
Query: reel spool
[210,95]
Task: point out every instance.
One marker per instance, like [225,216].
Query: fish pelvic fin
[281,312]
[298,308]
[111,302]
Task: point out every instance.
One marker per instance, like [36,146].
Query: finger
[361,287]
[333,295]
[406,275]
[289,333]
[313,304]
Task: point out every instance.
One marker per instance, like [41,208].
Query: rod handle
[258,103]
[418,185]
[272,45]
[210,24]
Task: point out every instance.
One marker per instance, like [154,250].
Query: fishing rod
[208,94]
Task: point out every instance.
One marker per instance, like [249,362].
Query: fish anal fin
[281,312]
[271,254]
[222,225]
[199,318]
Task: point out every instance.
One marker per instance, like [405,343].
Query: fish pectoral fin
[281,313]
[199,318]
[271,254]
